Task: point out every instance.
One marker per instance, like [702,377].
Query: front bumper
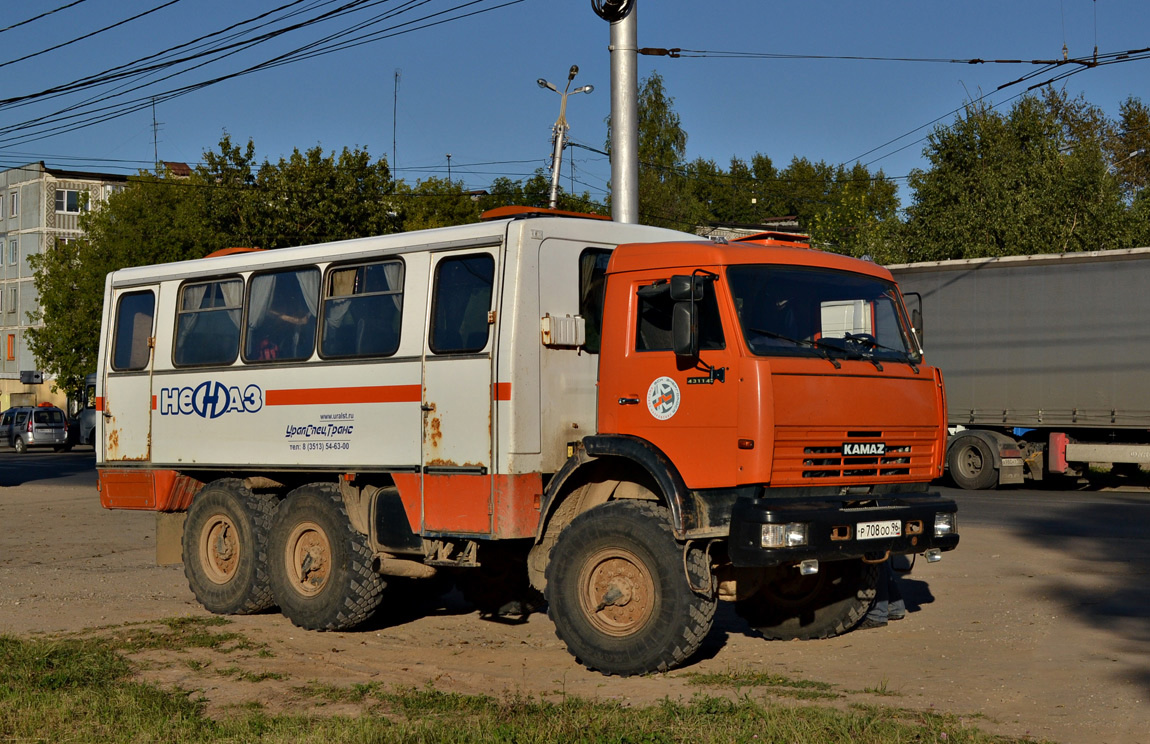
[832,528]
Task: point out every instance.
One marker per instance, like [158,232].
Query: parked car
[41,426]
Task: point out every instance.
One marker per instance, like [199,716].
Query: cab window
[653,329]
[592,284]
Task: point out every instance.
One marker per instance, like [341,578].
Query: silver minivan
[42,426]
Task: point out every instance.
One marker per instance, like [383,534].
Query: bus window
[462,299]
[281,316]
[208,323]
[133,329]
[362,308]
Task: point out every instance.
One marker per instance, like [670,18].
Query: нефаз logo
[210,399]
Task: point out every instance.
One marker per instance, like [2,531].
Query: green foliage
[666,190]
[1035,180]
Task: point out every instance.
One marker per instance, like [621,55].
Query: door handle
[629,401]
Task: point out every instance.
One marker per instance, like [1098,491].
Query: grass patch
[181,634]
[84,690]
[776,684]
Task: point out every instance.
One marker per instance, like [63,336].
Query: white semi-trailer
[1045,359]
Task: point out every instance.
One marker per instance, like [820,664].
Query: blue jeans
[888,600]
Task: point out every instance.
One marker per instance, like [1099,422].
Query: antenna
[155,138]
[394,102]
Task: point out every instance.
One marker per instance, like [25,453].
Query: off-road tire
[971,464]
[627,548]
[225,545]
[320,566]
[790,606]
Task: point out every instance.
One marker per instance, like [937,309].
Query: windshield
[799,311]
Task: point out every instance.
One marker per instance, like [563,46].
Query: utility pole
[559,129]
[624,106]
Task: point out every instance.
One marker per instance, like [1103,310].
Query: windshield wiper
[797,342]
[866,338]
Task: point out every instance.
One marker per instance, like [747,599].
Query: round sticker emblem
[663,398]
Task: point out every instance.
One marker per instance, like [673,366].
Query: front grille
[804,455]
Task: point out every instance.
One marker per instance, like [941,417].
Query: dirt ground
[995,632]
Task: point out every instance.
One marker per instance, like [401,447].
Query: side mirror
[915,314]
[684,329]
[685,288]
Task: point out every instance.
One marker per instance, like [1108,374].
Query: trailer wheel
[321,567]
[791,606]
[225,548]
[618,593]
[971,464]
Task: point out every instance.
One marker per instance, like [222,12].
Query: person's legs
[879,612]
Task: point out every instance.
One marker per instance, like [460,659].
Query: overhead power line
[42,15]
[89,35]
[99,109]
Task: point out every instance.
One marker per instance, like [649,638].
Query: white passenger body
[509,407]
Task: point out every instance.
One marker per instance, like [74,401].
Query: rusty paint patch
[440,463]
[434,433]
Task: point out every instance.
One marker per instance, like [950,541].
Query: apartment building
[39,206]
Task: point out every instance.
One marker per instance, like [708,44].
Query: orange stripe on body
[100,403]
[331,396]
[501,391]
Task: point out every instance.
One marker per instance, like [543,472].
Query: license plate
[878,530]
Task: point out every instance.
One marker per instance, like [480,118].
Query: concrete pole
[625,119]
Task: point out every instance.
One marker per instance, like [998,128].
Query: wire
[40,127]
[89,35]
[42,15]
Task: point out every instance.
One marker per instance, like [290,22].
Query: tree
[307,198]
[1036,180]
[436,202]
[666,196]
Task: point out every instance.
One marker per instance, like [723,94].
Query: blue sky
[467,87]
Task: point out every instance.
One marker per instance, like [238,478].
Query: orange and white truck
[628,422]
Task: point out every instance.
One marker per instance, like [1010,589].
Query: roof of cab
[691,254]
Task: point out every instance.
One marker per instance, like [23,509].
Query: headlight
[945,523]
[790,535]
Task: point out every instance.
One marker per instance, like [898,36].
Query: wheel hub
[618,592]
[220,549]
[308,556]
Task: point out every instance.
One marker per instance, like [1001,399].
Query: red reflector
[746,444]
[1010,452]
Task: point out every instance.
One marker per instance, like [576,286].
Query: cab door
[126,407]
[687,407]
[457,392]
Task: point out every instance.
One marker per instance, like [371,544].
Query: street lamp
[559,130]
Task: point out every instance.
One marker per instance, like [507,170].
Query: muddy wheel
[320,566]
[618,594]
[971,464]
[225,548]
[791,606]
